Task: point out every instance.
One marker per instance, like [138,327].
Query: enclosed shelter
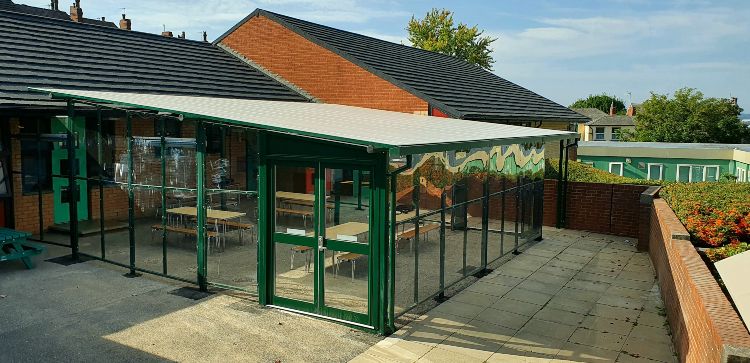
[188,163]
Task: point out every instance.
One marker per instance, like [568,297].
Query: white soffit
[402,133]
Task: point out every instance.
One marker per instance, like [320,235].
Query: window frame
[622,167]
[616,131]
[603,133]
[705,172]
[648,171]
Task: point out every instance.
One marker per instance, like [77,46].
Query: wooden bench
[188,232]
[14,246]
[348,257]
[298,212]
[409,235]
[240,226]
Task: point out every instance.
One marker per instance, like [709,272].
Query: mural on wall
[441,171]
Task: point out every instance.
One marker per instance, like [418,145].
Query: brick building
[336,66]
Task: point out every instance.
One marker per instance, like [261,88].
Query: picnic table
[347,232]
[217,216]
[14,246]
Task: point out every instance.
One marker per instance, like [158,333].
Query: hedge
[580,172]
[715,214]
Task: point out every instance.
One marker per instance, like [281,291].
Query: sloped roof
[398,133]
[461,89]
[616,120]
[601,118]
[9,5]
[592,113]
[45,52]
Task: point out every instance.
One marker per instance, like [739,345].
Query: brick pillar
[644,217]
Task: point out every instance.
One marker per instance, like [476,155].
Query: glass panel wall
[232,207]
[491,199]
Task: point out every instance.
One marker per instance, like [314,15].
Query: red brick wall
[702,319]
[602,208]
[318,71]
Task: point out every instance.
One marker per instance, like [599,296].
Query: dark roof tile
[459,88]
[45,52]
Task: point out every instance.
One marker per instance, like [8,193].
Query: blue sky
[562,50]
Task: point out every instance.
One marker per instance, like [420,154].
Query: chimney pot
[76,13]
[205,37]
[612,109]
[167,34]
[631,110]
[125,23]
[181,36]
[54,5]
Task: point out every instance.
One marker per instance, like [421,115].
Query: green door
[321,241]
[60,169]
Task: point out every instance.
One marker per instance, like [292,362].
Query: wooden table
[213,214]
[297,197]
[345,229]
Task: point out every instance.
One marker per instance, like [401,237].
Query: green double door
[321,248]
[62,193]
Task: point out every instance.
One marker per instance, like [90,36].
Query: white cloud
[567,58]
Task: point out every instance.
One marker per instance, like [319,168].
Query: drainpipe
[392,238]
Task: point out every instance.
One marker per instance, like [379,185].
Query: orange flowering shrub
[715,214]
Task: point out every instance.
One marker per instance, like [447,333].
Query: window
[599,133]
[711,173]
[36,156]
[697,173]
[741,174]
[171,127]
[616,168]
[93,164]
[213,139]
[616,134]
[655,172]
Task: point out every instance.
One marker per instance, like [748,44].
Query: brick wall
[602,208]
[705,326]
[318,71]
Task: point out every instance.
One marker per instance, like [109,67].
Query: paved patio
[576,296]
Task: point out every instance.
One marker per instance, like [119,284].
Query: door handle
[321,244]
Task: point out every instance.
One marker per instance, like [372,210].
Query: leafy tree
[601,101]
[689,117]
[436,32]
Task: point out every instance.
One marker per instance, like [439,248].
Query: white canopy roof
[400,133]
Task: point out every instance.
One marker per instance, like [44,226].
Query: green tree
[689,117]
[602,101]
[436,32]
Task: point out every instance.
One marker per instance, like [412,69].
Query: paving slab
[593,300]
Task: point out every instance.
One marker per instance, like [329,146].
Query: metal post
[485,223]
[100,157]
[358,188]
[443,205]
[564,220]
[415,199]
[222,155]
[502,217]
[131,196]
[163,152]
[518,212]
[73,192]
[40,199]
[200,158]
[392,256]
[558,223]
